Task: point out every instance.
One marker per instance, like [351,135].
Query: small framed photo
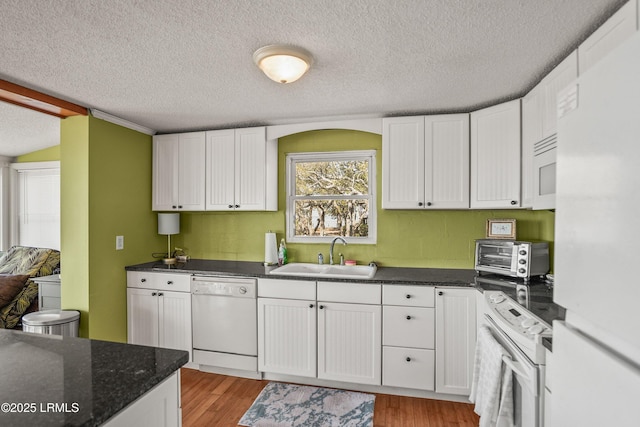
[501,229]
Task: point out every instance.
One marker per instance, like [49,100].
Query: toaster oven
[512,258]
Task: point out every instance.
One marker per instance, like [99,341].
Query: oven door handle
[515,366]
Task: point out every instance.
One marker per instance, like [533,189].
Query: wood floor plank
[218,400]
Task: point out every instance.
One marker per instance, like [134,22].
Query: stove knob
[522,252]
[242,290]
[497,298]
[522,270]
[536,329]
[527,323]
[523,261]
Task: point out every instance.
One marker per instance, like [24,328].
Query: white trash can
[52,322]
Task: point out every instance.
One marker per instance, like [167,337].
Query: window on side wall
[331,194]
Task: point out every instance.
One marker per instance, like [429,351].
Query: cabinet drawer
[50,303]
[408,367]
[415,296]
[47,290]
[408,326]
[289,289]
[359,293]
[160,281]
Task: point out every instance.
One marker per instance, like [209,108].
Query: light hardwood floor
[219,400]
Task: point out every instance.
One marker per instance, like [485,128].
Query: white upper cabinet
[554,82]
[425,162]
[178,172]
[495,156]
[241,170]
[612,33]
[531,133]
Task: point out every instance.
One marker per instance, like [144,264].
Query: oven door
[527,381]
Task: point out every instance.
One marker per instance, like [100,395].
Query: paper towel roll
[270,249]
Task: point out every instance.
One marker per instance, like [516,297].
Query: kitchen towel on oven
[492,387]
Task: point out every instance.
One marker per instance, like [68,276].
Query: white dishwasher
[224,315]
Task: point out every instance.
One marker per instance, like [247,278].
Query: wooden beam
[34,100]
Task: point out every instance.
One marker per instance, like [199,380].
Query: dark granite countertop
[400,275]
[88,380]
[536,296]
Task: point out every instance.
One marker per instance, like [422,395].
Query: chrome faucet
[333,242]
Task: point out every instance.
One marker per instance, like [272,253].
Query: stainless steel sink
[323,270]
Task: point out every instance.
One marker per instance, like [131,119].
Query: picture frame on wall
[501,229]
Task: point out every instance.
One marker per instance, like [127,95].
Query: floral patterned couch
[18,293]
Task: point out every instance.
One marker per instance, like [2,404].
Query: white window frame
[15,191]
[293,158]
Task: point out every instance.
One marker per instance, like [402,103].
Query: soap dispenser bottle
[282,253]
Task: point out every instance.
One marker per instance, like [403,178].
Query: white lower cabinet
[349,345]
[408,367]
[160,406]
[455,339]
[287,336]
[405,336]
[408,337]
[158,317]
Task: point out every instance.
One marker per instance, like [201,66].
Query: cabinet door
[408,367]
[220,170]
[554,82]
[495,156]
[174,320]
[287,336]
[349,342]
[403,163]
[455,339]
[250,169]
[531,133]
[447,161]
[142,316]
[608,36]
[165,170]
[191,175]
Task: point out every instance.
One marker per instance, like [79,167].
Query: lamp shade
[283,63]
[168,223]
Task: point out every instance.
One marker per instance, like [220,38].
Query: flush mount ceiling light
[283,63]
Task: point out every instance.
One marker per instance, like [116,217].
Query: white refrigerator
[594,370]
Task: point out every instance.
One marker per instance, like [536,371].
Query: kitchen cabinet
[617,29]
[455,339]
[160,406]
[349,334]
[178,182]
[425,162]
[159,310]
[495,156]
[531,133]
[408,337]
[241,170]
[287,327]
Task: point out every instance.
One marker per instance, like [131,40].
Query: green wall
[437,239]
[45,155]
[105,192]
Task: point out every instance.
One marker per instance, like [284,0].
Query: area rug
[280,405]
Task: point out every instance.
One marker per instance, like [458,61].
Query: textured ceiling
[187,65]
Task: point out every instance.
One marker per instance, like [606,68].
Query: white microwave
[544,173]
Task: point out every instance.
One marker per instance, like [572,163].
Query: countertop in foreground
[68,381]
